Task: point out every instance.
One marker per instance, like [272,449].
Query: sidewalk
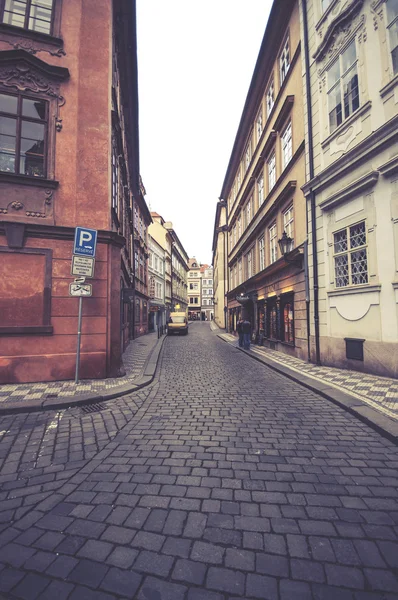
[139,360]
[371,398]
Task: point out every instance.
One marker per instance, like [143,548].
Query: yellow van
[177,323]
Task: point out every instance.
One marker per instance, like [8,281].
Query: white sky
[195,63]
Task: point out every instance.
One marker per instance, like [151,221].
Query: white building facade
[207,293]
[352,181]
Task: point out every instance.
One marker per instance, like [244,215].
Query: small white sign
[80,289]
[83,265]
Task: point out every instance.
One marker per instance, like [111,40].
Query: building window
[272,243]
[271,171]
[287,146]
[234,235]
[115,178]
[284,61]
[260,190]
[239,271]
[249,212]
[248,155]
[35,15]
[23,139]
[350,256]
[343,88]
[288,222]
[239,179]
[259,124]
[239,226]
[392,27]
[270,98]
[235,275]
[261,249]
[249,264]
[272,314]
[287,313]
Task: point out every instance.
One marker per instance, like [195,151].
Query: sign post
[82,264]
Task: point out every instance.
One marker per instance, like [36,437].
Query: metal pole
[79,334]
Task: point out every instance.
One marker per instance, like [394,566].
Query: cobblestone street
[222,480]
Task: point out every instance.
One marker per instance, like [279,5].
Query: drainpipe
[312,195]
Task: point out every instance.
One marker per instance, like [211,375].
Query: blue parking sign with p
[85,241]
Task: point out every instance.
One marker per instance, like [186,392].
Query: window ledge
[358,289]
[39,330]
[28,180]
[362,110]
[35,36]
[389,87]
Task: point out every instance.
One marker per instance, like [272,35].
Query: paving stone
[195,525]
[349,577]
[225,580]
[207,553]
[307,570]
[189,571]
[118,535]
[89,573]
[62,566]
[272,564]
[201,594]
[123,583]
[260,586]
[39,561]
[148,540]
[239,559]
[10,578]
[95,549]
[58,590]
[15,555]
[296,590]
[161,590]
[380,579]
[31,587]
[83,528]
[177,547]
[153,563]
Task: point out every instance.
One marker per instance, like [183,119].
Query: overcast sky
[195,63]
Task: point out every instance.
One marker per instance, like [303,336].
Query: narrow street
[221,480]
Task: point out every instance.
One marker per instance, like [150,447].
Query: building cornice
[383,137]
[351,190]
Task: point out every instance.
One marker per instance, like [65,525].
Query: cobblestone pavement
[379,392]
[223,480]
[134,359]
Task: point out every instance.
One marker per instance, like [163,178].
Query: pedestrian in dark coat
[246,328]
[240,332]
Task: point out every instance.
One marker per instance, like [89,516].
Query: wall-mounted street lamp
[286,245]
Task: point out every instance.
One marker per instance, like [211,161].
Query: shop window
[23,135]
[137,310]
[273,320]
[36,15]
[287,320]
[343,87]
[350,256]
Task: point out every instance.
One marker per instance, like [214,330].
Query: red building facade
[68,157]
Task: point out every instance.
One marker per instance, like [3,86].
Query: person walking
[246,328]
[240,332]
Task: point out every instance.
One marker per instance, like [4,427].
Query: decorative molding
[390,167]
[17,205]
[283,113]
[376,8]
[340,30]
[342,129]
[391,85]
[33,47]
[359,289]
[351,190]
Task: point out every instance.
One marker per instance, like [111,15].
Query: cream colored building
[352,174]
[263,196]
[194,290]
[219,250]
[162,236]
[207,280]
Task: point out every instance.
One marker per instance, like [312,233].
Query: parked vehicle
[178,323]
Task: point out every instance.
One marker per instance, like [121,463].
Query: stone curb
[381,423]
[145,379]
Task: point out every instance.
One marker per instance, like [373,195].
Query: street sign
[85,241]
[80,289]
[83,265]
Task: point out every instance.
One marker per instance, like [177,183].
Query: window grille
[350,256]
